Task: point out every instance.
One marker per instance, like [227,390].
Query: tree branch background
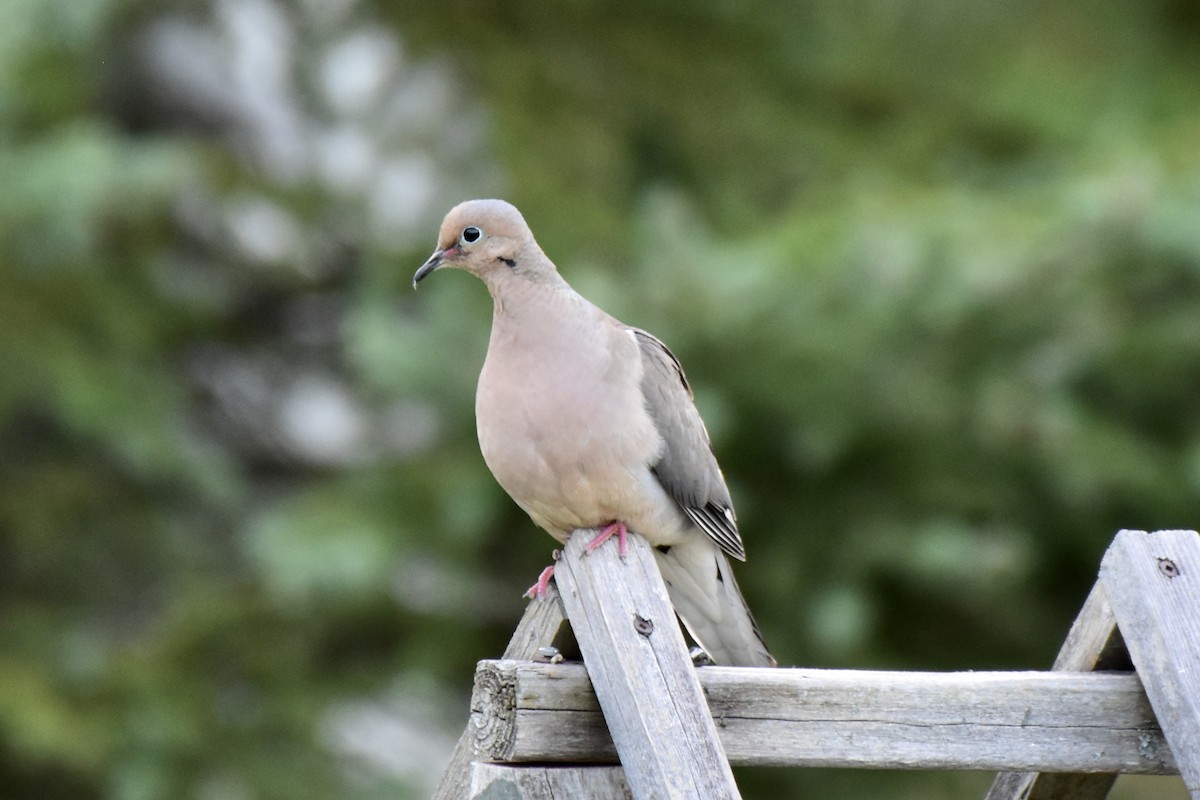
[933,269]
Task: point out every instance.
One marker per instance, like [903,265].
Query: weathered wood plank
[1093,643]
[644,678]
[1051,786]
[503,782]
[1053,721]
[541,624]
[1153,584]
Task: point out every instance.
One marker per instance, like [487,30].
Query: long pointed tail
[706,597]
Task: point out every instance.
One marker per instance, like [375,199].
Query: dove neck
[517,295]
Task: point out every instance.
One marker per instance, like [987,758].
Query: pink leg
[617,528]
[542,586]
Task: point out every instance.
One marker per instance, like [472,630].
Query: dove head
[490,239]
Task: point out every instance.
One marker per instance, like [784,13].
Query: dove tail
[706,597]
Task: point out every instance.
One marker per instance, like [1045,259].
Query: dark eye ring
[471,234]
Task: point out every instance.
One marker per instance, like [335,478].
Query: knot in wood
[642,625]
[1168,567]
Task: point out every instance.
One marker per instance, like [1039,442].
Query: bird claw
[542,587]
[617,529]
[613,528]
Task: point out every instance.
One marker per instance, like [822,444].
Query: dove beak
[429,266]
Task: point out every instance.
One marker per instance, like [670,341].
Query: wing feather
[687,470]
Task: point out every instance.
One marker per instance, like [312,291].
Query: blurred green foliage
[933,269]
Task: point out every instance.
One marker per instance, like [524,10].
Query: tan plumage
[584,421]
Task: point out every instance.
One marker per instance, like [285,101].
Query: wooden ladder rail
[1063,735]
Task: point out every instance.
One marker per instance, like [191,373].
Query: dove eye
[471,234]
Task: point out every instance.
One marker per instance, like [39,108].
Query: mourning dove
[589,423]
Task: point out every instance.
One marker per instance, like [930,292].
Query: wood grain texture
[1153,585]
[1054,721]
[502,782]
[541,624]
[1092,643]
[639,664]
[1051,786]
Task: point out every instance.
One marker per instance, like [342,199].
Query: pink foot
[617,528]
[542,586]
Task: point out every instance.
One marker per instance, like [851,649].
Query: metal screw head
[642,625]
[1168,567]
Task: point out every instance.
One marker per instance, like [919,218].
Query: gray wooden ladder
[640,721]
